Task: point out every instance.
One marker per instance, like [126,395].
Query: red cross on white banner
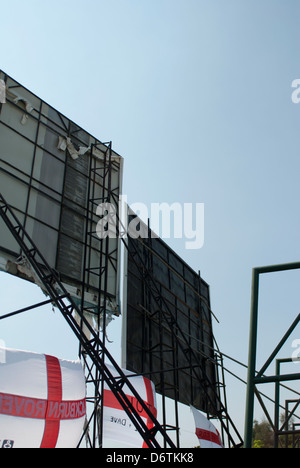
[52,418]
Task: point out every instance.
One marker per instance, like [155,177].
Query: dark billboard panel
[167,332]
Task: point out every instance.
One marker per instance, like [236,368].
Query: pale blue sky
[196,96]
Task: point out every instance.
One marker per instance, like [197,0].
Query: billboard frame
[218,409]
[42,118]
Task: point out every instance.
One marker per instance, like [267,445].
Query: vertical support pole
[251,360]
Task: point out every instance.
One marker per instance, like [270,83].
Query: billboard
[160,288]
[53,174]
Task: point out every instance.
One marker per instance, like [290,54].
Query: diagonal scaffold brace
[64,302]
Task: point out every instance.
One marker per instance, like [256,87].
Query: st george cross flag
[117,426]
[206,432]
[42,401]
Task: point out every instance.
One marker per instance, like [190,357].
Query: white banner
[206,432]
[42,401]
[117,426]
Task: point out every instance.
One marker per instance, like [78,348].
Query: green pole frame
[254,378]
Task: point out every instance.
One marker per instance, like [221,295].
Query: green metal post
[251,360]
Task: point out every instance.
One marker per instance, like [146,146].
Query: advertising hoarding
[160,288]
[53,173]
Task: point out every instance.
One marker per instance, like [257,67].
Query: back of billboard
[167,322]
[51,174]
